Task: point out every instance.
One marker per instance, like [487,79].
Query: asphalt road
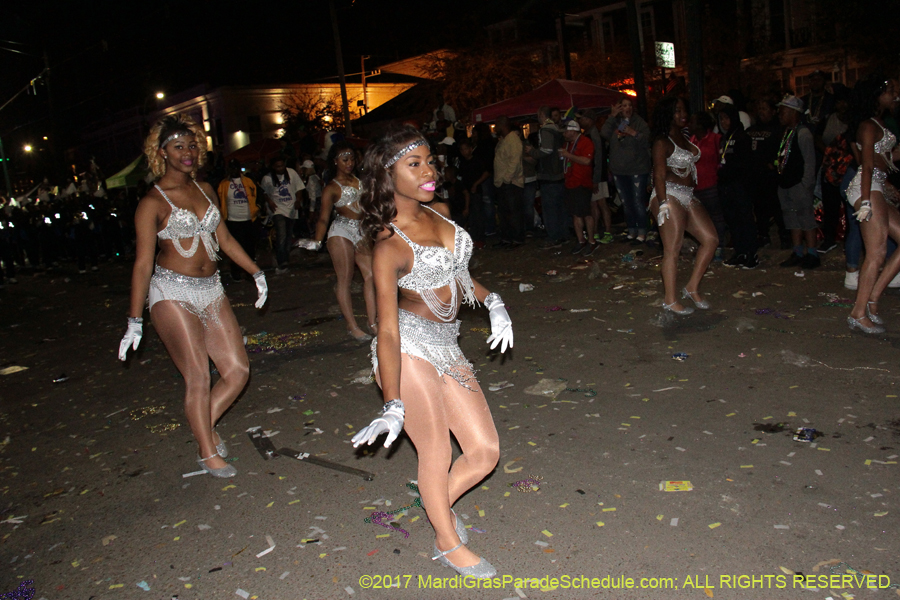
[94,502]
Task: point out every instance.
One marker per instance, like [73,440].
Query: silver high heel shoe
[874,318]
[460,529]
[701,304]
[482,570]
[225,472]
[361,337]
[687,310]
[221,448]
[856,324]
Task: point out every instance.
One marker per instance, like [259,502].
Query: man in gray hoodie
[551,179]
[629,161]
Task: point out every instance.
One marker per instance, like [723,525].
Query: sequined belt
[434,342]
[683,193]
[200,296]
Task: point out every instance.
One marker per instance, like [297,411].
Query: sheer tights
[695,221]
[885,222]
[344,255]
[191,345]
[437,406]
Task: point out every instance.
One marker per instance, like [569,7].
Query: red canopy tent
[561,93]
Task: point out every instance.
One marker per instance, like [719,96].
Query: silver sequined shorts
[200,296]
[345,228]
[854,190]
[434,342]
[683,193]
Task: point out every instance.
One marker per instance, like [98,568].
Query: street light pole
[348,129]
[5,170]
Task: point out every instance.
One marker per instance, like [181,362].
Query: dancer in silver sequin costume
[421,265]
[187,302]
[344,236]
[676,209]
[875,149]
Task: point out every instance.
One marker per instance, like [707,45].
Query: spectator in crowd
[283,188]
[629,161]
[835,153]
[796,180]
[556,117]
[237,198]
[509,181]
[764,138]
[529,192]
[484,150]
[733,179]
[721,101]
[819,103]
[313,184]
[707,191]
[600,192]
[551,179]
[472,174]
[578,154]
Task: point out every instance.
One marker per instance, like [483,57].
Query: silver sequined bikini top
[435,267]
[683,162]
[184,224]
[884,145]
[349,197]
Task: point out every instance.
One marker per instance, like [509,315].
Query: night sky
[164,45]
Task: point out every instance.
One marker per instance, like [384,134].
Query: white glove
[501,324]
[132,338]
[308,244]
[390,422]
[663,213]
[865,211]
[261,287]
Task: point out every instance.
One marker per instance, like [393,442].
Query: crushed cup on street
[525,287]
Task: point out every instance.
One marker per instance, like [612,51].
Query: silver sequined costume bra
[884,145]
[349,197]
[683,162]
[435,267]
[183,224]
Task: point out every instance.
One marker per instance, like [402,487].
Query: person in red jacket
[578,155]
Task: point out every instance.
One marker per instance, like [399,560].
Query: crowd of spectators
[765,165]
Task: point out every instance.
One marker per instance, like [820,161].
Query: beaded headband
[177,134]
[404,151]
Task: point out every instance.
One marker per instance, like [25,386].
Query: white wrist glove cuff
[308,244]
[865,211]
[664,212]
[132,336]
[493,299]
[262,288]
[501,324]
[390,422]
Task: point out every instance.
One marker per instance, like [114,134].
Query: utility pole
[362,63]
[634,36]
[695,55]
[56,169]
[348,129]
[563,47]
[9,190]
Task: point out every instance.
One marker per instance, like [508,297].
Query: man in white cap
[796,166]
[744,117]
